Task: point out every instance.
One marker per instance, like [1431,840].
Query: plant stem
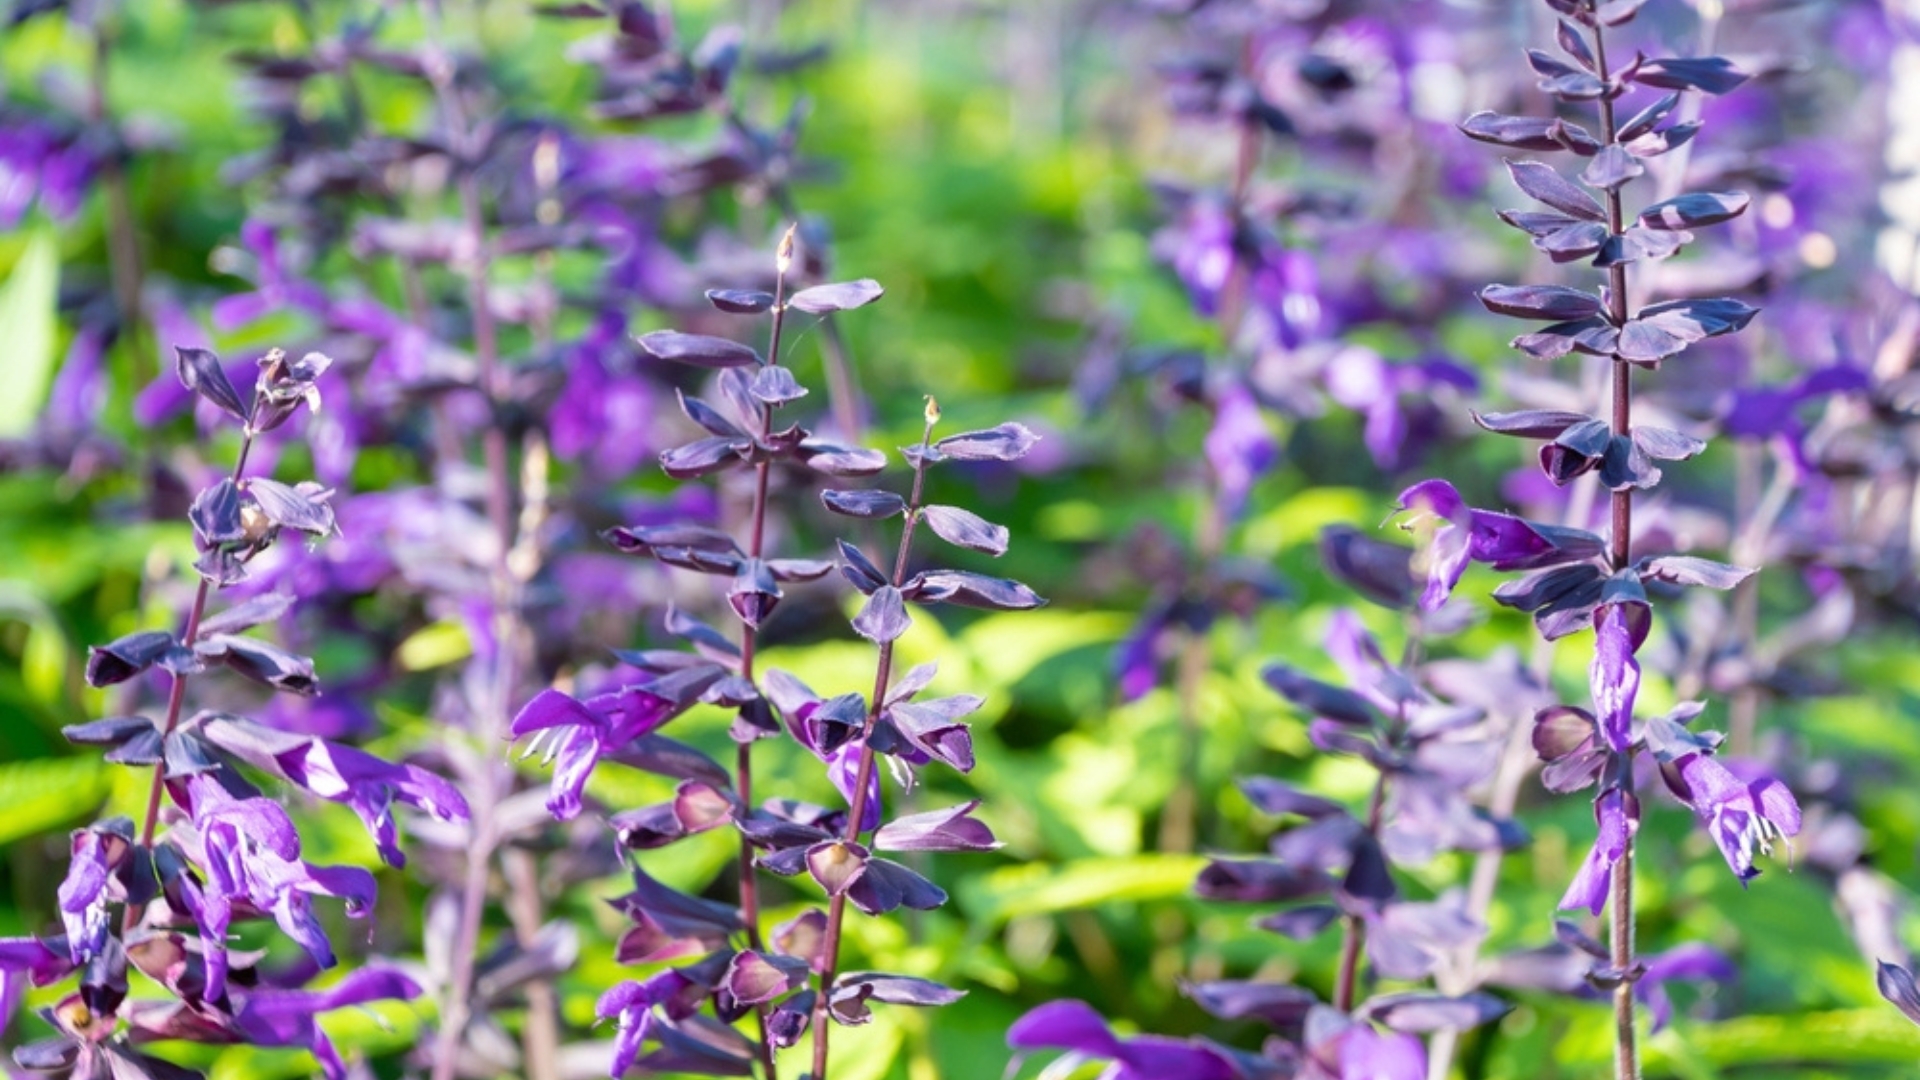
[456,1010]
[883,675]
[540,1032]
[177,692]
[1354,932]
[1180,818]
[1626,1063]
[843,385]
[749,638]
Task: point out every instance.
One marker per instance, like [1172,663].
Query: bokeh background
[1033,183]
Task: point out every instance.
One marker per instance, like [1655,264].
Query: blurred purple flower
[80,389]
[1199,244]
[1240,446]
[602,416]
[1692,962]
[1394,399]
[1075,1027]
[36,160]
[278,289]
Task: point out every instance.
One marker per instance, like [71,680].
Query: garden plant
[860,540]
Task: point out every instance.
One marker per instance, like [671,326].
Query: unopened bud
[933,411]
[783,257]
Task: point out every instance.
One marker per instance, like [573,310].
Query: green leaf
[42,795]
[1084,883]
[26,329]
[434,645]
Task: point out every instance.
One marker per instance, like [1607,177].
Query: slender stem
[456,1011]
[1179,822]
[177,693]
[540,1032]
[1354,933]
[749,639]
[843,386]
[883,675]
[1626,1057]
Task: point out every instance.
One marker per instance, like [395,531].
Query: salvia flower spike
[909,733]
[1576,579]
[743,970]
[213,850]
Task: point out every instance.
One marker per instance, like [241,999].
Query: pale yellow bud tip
[933,410]
[783,257]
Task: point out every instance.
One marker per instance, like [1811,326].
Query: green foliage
[27,328]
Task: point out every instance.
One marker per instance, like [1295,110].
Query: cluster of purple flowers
[162,896]
[508,344]
[1432,749]
[791,978]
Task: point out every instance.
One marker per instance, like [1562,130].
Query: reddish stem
[749,638]
[1626,1057]
[1355,931]
[177,692]
[883,675]
[499,500]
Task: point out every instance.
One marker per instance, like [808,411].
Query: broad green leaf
[26,334]
[1870,1036]
[43,795]
[1084,883]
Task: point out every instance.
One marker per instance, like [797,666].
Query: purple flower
[1074,1026]
[952,829]
[1451,534]
[289,1017]
[1614,675]
[1239,446]
[26,962]
[250,856]
[1740,814]
[843,768]
[578,733]
[1590,886]
[1136,661]
[1368,1054]
[342,774]
[631,1004]
[98,853]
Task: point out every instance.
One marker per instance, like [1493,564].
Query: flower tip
[564,805]
[783,256]
[932,411]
